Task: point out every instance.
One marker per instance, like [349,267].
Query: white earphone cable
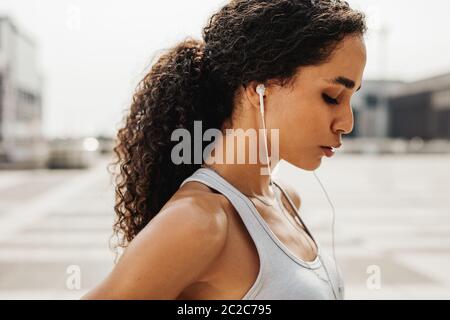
[261,90]
[333,223]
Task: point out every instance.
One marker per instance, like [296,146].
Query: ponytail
[165,100]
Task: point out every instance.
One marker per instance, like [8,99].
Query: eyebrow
[346,82]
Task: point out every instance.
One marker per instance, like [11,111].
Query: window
[371,101]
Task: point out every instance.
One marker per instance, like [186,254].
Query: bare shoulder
[291,191]
[175,249]
[198,209]
[196,221]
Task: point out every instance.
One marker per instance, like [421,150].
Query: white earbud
[261,89]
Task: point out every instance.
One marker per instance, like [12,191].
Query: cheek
[301,116]
[304,124]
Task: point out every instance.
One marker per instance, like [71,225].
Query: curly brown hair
[245,41]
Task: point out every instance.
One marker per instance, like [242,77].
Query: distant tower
[382,121]
[383,58]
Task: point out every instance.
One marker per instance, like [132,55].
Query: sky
[93,53]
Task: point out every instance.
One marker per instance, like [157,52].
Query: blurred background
[67,73]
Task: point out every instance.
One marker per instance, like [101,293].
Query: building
[21,132]
[421,109]
[403,110]
[371,108]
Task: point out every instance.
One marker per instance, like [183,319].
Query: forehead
[347,60]
[350,45]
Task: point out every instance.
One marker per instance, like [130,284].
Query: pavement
[392,226]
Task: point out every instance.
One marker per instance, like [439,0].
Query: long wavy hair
[244,41]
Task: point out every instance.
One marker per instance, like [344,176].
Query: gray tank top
[282,275]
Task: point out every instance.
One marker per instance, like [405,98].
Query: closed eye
[328,99]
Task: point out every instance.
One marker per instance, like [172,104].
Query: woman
[214,229]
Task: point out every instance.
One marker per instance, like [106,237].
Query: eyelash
[329,100]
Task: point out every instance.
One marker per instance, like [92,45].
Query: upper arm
[169,254]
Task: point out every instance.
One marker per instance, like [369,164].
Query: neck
[249,177]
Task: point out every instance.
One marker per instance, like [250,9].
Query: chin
[308,165]
[312,166]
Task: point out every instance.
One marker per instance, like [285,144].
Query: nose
[344,121]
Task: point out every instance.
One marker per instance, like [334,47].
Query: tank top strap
[281,274]
[291,203]
[240,202]
[339,284]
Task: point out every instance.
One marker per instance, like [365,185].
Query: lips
[328,151]
[336,146]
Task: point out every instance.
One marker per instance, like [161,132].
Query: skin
[197,246]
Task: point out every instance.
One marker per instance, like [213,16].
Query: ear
[251,95]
